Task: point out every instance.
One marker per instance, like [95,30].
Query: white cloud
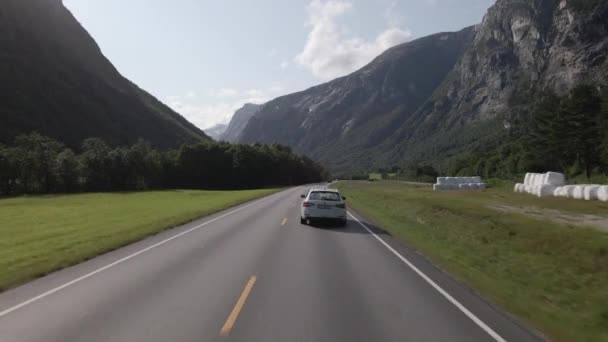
[284,65]
[223,93]
[221,105]
[329,53]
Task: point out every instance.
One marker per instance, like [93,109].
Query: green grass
[41,234]
[553,276]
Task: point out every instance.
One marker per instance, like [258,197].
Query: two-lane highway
[254,273]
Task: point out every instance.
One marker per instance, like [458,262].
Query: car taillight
[306,205]
[342,205]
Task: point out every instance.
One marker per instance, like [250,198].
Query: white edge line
[88,275]
[443,292]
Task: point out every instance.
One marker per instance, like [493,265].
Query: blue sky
[206,58]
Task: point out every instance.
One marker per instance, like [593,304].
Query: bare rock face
[238,122]
[527,45]
[521,49]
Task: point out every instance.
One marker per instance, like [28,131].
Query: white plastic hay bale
[539,179]
[555,178]
[441,180]
[569,190]
[579,192]
[536,190]
[560,191]
[602,193]
[545,190]
[532,179]
[438,187]
[451,180]
[527,178]
[464,186]
[474,186]
[481,186]
[518,187]
[590,192]
[476,180]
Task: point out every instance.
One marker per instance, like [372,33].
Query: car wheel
[343,223]
[302,220]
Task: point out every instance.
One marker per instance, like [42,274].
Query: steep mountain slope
[238,122]
[338,121]
[56,81]
[215,132]
[445,94]
[521,50]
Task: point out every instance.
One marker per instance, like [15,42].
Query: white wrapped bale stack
[590,192]
[458,183]
[570,191]
[579,191]
[439,187]
[602,193]
[545,190]
[555,179]
[519,187]
[559,192]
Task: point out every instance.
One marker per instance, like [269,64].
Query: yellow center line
[284,221]
[237,308]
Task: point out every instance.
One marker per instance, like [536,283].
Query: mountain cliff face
[338,121]
[439,95]
[238,122]
[520,50]
[56,81]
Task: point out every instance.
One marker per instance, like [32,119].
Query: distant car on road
[323,204]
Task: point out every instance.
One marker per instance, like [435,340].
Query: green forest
[38,164]
[567,134]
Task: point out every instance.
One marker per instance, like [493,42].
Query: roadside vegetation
[41,234]
[552,274]
[35,164]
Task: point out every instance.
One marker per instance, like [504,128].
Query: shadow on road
[352,227]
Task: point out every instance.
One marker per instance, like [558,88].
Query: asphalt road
[253,273]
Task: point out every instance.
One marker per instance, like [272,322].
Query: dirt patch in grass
[596,222]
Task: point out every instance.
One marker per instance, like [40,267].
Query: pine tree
[582,113]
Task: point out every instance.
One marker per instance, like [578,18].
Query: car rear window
[324,196]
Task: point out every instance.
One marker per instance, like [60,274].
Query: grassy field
[44,233]
[554,276]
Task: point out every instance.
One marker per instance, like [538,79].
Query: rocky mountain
[435,97]
[337,122]
[521,50]
[215,132]
[55,80]
[238,122]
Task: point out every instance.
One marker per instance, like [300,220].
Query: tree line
[38,164]
[567,133]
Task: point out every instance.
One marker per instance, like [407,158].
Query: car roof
[324,190]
